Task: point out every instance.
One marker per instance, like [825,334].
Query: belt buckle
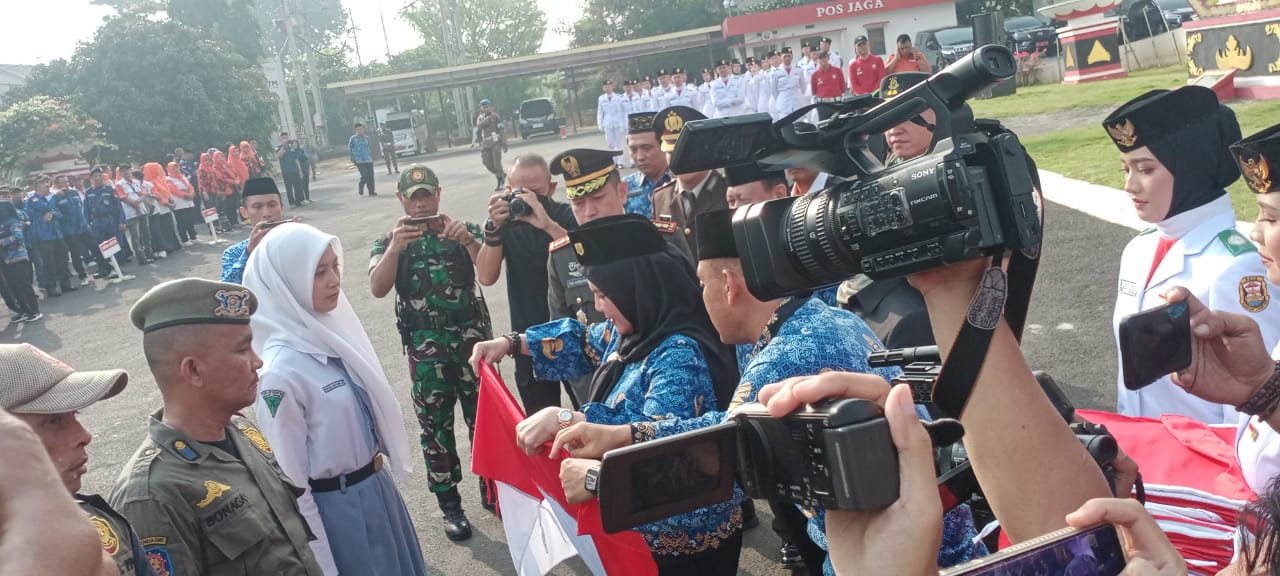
[377,461]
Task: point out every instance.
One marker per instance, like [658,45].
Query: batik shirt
[234,259]
[672,382]
[640,193]
[358,149]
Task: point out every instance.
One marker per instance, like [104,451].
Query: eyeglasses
[920,121]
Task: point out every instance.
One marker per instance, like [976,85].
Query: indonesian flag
[542,529]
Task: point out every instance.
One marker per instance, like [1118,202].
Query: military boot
[456,526]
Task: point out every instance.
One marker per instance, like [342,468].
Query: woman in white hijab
[327,408]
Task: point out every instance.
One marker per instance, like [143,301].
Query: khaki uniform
[200,510]
[668,205]
[118,539]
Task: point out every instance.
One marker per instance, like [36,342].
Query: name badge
[1128,287]
[576,283]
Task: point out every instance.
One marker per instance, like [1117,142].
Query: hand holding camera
[403,234]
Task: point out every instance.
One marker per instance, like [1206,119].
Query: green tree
[487,29]
[605,21]
[57,79]
[40,123]
[196,92]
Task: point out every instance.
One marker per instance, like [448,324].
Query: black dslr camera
[837,454]
[519,208]
[970,196]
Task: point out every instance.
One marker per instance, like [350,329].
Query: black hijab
[659,294]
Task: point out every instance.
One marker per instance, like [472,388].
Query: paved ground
[1069,335]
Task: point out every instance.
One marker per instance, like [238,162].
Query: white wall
[842,32]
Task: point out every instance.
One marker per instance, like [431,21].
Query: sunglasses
[920,121]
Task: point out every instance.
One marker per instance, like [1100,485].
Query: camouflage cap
[193,301]
[417,177]
[33,382]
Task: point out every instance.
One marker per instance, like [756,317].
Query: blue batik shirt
[37,207]
[358,148]
[13,245]
[672,382]
[72,209]
[640,193]
[102,208]
[234,259]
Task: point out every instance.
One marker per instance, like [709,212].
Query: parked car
[538,116]
[945,45]
[1030,34]
[1140,19]
[1176,12]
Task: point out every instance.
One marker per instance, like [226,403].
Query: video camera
[970,196]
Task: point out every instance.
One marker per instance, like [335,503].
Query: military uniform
[674,205]
[441,316]
[118,539]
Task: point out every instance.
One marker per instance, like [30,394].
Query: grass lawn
[1086,153]
[1055,97]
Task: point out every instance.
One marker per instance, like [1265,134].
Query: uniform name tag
[1128,288]
[576,282]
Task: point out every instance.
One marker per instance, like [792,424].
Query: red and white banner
[109,248]
[542,528]
[210,215]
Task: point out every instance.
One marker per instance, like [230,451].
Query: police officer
[611,119]
[428,259]
[204,490]
[787,84]
[651,164]
[689,195]
[47,395]
[1173,146]
[727,97]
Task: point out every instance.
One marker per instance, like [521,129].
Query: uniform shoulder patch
[1254,295]
[272,399]
[185,451]
[106,535]
[254,435]
[1236,243]
[669,184]
[1147,231]
[558,244]
[158,558]
[665,226]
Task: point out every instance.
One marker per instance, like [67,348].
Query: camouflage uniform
[441,316]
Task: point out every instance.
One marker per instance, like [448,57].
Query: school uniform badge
[1254,296]
[272,399]
[159,560]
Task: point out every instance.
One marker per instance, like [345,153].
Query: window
[876,37]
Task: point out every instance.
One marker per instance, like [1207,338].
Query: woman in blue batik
[657,357]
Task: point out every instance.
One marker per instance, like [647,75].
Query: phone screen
[429,224]
[1093,551]
[1155,343]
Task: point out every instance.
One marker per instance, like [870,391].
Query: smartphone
[270,225]
[1095,551]
[429,224]
[1154,343]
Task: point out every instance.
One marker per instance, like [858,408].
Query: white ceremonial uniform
[1221,268]
[835,59]
[611,118]
[787,90]
[659,99]
[705,105]
[727,98]
[681,96]
[628,103]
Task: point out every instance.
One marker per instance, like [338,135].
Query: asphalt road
[1068,335]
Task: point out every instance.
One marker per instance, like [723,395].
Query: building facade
[881,21]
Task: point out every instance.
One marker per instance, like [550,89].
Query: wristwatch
[592,481]
[564,417]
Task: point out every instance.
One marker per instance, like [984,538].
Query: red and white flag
[542,528]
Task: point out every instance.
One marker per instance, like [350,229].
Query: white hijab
[281,274]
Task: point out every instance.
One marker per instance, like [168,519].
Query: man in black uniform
[46,394]
[688,195]
[518,230]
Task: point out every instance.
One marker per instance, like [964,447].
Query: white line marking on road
[1101,202]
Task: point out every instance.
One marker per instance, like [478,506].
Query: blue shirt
[72,209]
[640,193]
[234,259]
[671,382]
[13,245]
[358,148]
[102,209]
[188,169]
[292,161]
[37,207]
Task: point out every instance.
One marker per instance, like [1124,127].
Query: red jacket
[865,74]
[829,84]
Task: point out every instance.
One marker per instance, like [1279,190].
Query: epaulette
[558,244]
[665,226]
[665,186]
[1235,242]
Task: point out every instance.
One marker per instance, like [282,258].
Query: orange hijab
[154,174]
[176,174]
[237,165]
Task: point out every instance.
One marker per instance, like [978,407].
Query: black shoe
[372,193]
[456,525]
[487,500]
[361,192]
[791,558]
[32,317]
[19,317]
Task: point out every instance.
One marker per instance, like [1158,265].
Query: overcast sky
[48,29]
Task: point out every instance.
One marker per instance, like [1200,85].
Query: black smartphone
[270,225]
[429,224]
[1154,343]
[1095,551]
[660,478]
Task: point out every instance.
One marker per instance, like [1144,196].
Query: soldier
[428,259]
[611,118]
[651,164]
[788,87]
[47,395]
[833,55]
[683,199]
[204,490]
[492,136]
[727,96]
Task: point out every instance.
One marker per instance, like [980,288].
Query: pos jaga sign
[851,7]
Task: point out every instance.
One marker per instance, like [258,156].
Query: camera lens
[519,208]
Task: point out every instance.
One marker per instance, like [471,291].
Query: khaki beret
[193,301]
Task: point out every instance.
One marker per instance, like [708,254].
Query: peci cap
[668,123]
[715,235]
[825,39]
[677,70]
[724,62]
[259,186]
[640,122]
[785,50]
[751,59]
[614,238]
[661,72]
[708,70]
[192,301]
[1256,155]
[859,40]
[750,172]
[33,382]
[1159,114]
[805,44]
[417,177]
[735,61]
[896,83]
[585,170]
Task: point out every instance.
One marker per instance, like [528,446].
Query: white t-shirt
[134,193]
[178,201]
